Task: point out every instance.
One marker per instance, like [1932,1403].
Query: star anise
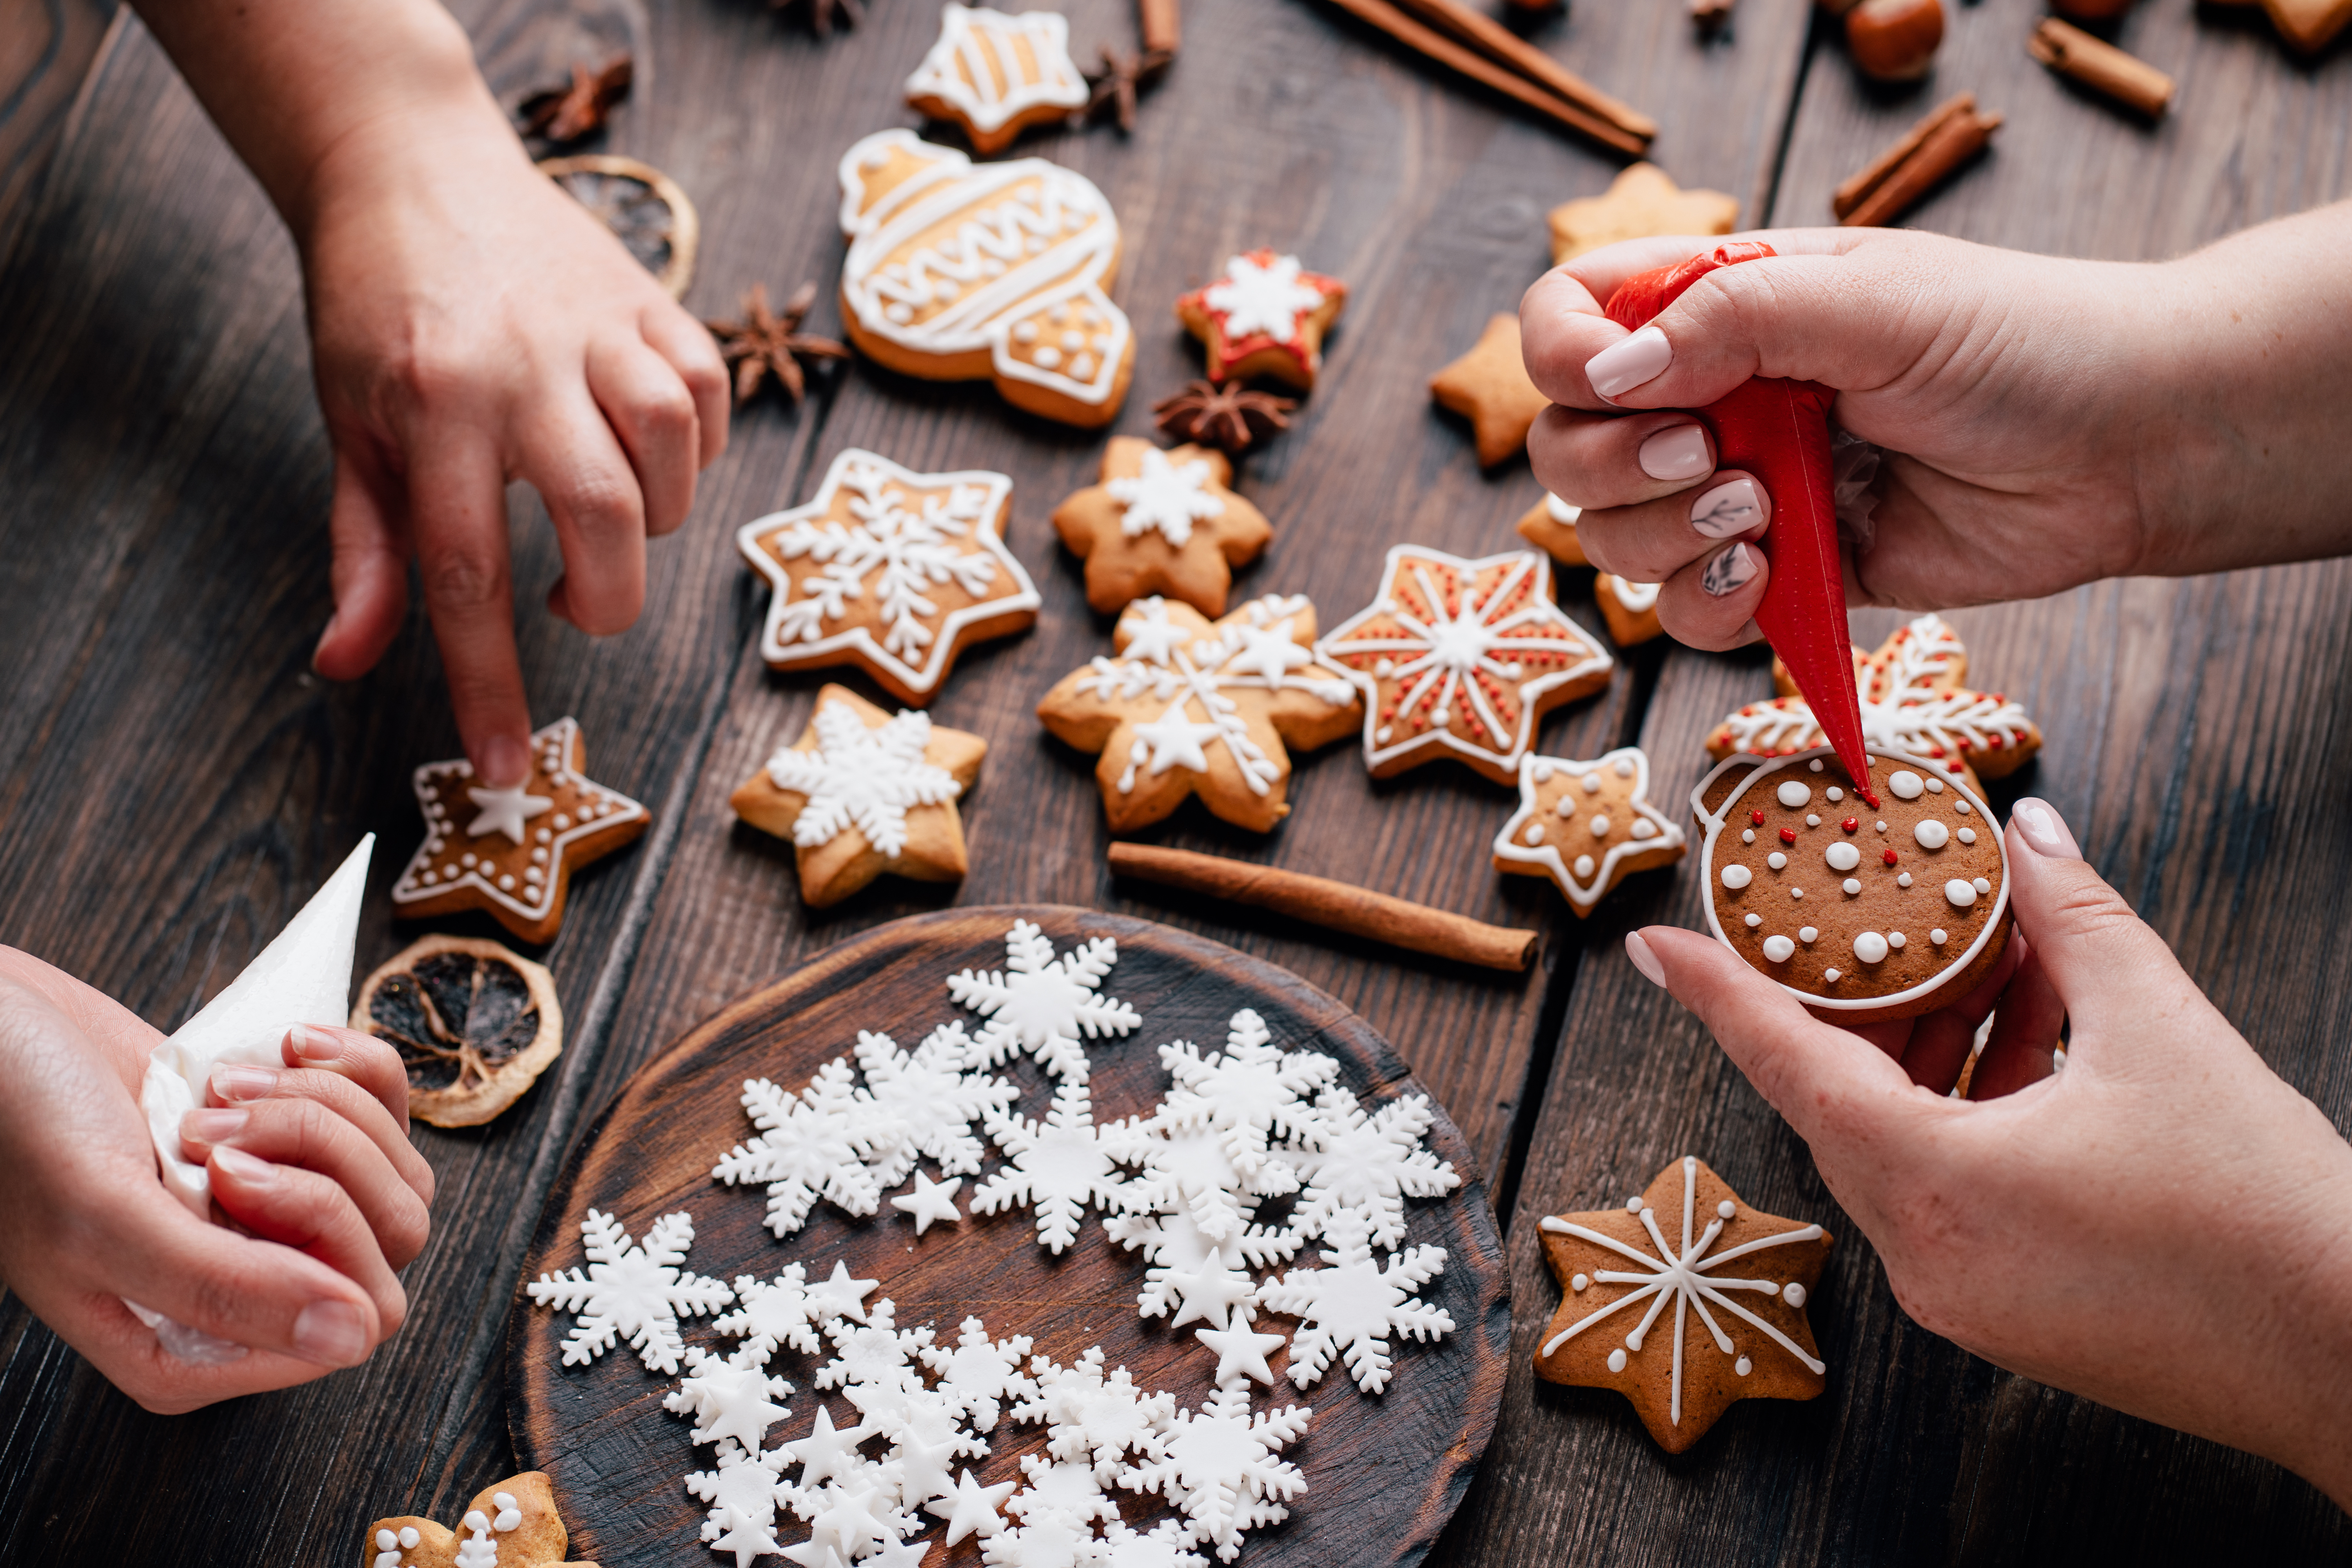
[768,343]
[824,14]
[564,115]
[1231,417]
[1121,77]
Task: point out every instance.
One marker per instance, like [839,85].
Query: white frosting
[1794,793]
[1931,834]
[1842,856]
[1266,299]
[1170,497]
[977,69]
[1736,876]
[1959,894]
[1779,949]
[1583,881]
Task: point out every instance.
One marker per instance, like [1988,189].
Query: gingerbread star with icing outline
[1161,523]
[1266,317]
[1641,202]
[1489,386]
[863,792]
[1587,825]
[515,1519]
[1648,1308]
[511,852]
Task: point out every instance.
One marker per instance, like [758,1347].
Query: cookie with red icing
[1266,317]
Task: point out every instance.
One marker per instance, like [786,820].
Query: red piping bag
[1780,431]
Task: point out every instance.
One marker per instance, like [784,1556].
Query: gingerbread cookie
[1550,526]
[995,74]
[1862,913]
[1640,202]
[1587,825]
[1490,388]
[891,571]
[512,851]
[1266,317]
[1912,702]
[1161,523]
[862,792]
[1733,1333]
[959,270]
[1463,657]
[1188,707]
[1630,608]
[512,1524]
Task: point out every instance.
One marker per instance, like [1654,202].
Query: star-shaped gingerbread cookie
[1191,707]
[863,792]
[1649,1307]
[1640,202]
[1550,526]
[1161,523]
[996,75]
[1266,317]
[1462,659]
[512,1524]
[1631,609]
[1587,825]
[1489,386]
[891,571]
[512,851]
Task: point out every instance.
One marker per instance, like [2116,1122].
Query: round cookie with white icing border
[1587,825]
[1863,914]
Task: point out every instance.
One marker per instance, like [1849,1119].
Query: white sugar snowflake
[630,1290]
[875,1364]
[730,1397]
[1042,1004]
[1186,1166]
[1057,1166]
[1170,497]
[1091,1418]
[1218,1465]
[1366,1163]
[1263,297]
[908,553]
[923,1103]
[742,1493]
[1167,1544]
[862,778]
[1061,1488]
[977,1374]
[1247,1092]
[1047,1542]
[1354,1305]
[810,1146]
[1193,1275]
[849,1521]
[769,1315]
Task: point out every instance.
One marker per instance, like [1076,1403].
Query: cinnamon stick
[1507,49]
[1928,153]
[1335,906]
[2100,66]
[1410,32]
[1163,29]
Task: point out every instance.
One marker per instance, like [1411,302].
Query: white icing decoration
[1835,793]
[630,1290]
[1842,856]
[1600,825]
[1959,893]
[1535,834]
[1937,936]
[1638,598]
[1170,497]
[1743,1366]
[1617,1360]
[1585,880]
[1870,947]
[505,810]
[1829,977]
[1816,765]
[1811,821]
[1981,886]
[1263,299]
[1851,886]
[1578,1283]
[1793,1293]
[1902,880]
[1561,511]
[1042,1004]
[1904,785]
[930,1200]
[1895,939]
[1936,786]
[1807,934]
[1967,836]
[1736,876]
[1779,949]
[1584,867]
[1793,794]
[1591,779]
[1354,1305]
[1726,1208]
[1754,920]
[1904,709]
[1777,860]
[1748,836]
[1931,834]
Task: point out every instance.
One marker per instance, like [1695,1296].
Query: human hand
[311,1167]
[2159,1227]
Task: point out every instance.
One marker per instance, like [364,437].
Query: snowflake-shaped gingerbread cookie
[1161,523]
[637,1292]
[1266,317]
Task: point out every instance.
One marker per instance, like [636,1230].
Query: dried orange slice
[474,1023]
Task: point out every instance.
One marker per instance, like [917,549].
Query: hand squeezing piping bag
[1780,431]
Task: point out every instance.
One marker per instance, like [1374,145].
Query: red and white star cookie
[1266,317]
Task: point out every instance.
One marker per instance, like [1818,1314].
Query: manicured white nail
[1622,366]
[1644,960]
[1677,452]
[1730,571]
[2044,830]
[1731,508]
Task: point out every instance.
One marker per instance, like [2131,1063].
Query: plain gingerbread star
[1489,386]
[1683,1300]
[1587,825]
[1161,523]
[1640,202]
[863,792]
[2307,25]
[1264,317]
[516,1517]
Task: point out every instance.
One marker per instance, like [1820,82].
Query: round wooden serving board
[1384,1471]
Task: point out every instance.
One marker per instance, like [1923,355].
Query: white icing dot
[1082,367]
[534,876]
[1962,807]
[545,836]
[1851,887]
[1384,667]
[1736,876]
[1748,836]
[1870,947]
[1624,767]
[1936,786]
[1726,1208]
[1807,934]
[1599,828]
[1903,880]
[1881,826]
[1578,1283]
[1535,832]
[510,1518]
[1632,1205]
[1931,834]
[1834,793]
[1779,949]
[1981,886]
[1830,976]
[388,1560]
[467,860]
[900,313]
[477,1519]
[1584,867]
[1793,1294]
[1644,829]
[1894,939]
[1616,1363]
[539,857]
[1743,1366]
[1906,784]
[561,821]
[386,1541]
[428,876]
[409,1537]
[1074,340]
[1777,860]
[1815,764]
[1842,856]
[1541,768]
[1937,936]
[1565,808]
[1966,836]
[1794,792]
[1754,920]
[1027,332]
[1960,893]
[1796,892]
[505,880]
[1592,783]
[1386,730]
[1811,821]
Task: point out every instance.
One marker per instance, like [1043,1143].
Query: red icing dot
[1756,818]
[1851,824]
[1956,767]
[1890,857]
[1788,835]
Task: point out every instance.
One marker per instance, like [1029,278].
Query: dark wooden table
[174,782]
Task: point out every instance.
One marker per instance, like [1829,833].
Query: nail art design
[1729,572]
[1727,509]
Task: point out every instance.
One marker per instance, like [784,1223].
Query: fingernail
[212,1126]
[1729,572]
[250,1169]
[1644,959]
[245,1082]
[314,1045]
[1734,507]
[505,761]
[1622,366]
[2044,830]
[322,640]
[331,1333]
[1677,452]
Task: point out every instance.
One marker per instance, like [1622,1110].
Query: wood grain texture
[47,50]
[1383,1471]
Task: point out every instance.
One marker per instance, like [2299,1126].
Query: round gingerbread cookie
[1866,913]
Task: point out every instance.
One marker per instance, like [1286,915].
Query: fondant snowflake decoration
[742,1493]
[1193,1276]
[1247,1092]
[1049,1540]
[730,1397]
[1366,1163]
[1059,1165]
[1170,497]
[1091,1419]
[874,1365]
[923,1102]
[1042,1004]
[979,1375]
[808,1147]
[632,1291]
[1167,1544]
[1354,1305]
[862,778]
[1219,1466]
[1186,1165]
[1061,1489]
[769,1315]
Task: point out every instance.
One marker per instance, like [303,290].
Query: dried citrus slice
[474,1023]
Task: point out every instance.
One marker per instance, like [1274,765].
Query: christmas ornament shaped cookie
[863,792]
[1683,1300]
[1587,825]
[1550,526]
[510,1524]
[1161,523]
[1189,707]
[1912,702]
[1863,913]
[1266,317]
[1461,658]
[958,271]
[890,571]
[995,74]
[1490,388]
[1641,202]
[511,852]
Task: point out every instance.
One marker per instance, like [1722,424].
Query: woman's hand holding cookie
[2159,1226]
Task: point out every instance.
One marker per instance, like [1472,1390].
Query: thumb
[2103,961]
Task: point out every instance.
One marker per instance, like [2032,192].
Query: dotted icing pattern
[1581,823]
